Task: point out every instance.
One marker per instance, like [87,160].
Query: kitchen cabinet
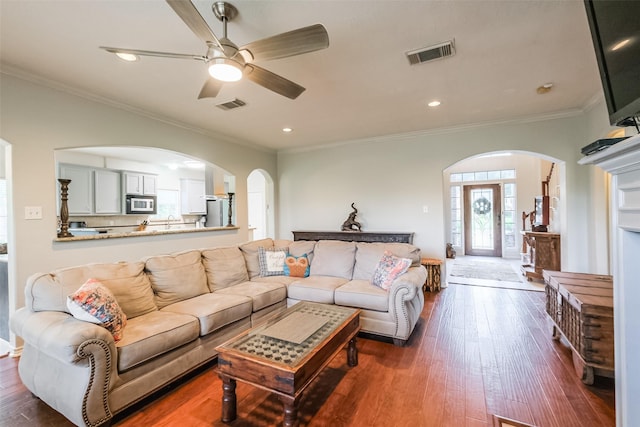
[80,189]
[192,195]
[107,195]
[92,191]
[140,183]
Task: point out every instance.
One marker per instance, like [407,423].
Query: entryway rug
[482,271]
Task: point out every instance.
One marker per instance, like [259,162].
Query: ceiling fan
[227,62]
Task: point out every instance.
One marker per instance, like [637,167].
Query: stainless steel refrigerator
[215,213]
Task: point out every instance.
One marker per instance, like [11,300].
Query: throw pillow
[272,261]
[388,269]
[93,302]
[296,266]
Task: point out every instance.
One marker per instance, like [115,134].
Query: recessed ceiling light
[129,57]
[434,103]
[544,88]
[287,130]
[193,164]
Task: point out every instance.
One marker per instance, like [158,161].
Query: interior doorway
[482,220]
[259,203]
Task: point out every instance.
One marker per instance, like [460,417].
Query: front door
[482,220]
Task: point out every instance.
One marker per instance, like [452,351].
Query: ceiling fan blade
[154,53]
[210,88]
[296,42]
[190,15]
[273,82]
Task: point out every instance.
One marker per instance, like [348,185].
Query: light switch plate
[33,212]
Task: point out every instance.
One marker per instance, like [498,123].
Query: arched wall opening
[260,202]
[521,174]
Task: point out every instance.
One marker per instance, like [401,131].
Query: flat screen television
[615,30]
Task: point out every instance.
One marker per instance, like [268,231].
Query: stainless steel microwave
[140,204]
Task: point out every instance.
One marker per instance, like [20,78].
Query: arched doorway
[515,179]
[6,293]
[260,204]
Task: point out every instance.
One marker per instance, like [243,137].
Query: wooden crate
[581,308]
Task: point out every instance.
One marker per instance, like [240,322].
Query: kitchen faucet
[169,218]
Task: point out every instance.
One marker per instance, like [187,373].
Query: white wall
[37,120]
[391,178]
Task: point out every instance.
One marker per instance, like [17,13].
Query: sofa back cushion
[224,267]
[126,280]
[301,247]
[250,253]
[333,258]
[369,254]
[177,276]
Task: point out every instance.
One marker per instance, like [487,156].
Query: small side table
[433,273]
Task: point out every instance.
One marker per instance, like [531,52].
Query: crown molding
[61,87]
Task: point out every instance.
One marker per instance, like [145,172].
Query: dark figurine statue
[351,224]
[451,253]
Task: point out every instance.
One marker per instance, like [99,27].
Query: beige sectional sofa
[180,306]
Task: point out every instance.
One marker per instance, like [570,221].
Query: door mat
[485,271]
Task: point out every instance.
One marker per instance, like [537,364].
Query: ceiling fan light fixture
[225,69]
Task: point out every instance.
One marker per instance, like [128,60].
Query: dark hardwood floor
[476,352]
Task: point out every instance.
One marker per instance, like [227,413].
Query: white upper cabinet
[80,194]
[107,195]
[140,184]
[92,191]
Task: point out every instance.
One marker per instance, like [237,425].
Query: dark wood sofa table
[286,353]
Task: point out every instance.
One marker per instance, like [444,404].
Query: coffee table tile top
[260,346]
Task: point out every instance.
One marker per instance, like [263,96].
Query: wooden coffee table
[286,353]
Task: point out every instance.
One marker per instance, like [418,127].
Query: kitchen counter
[150,232]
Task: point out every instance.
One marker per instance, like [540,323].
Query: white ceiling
[360,87]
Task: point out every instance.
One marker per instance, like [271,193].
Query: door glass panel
[482,219]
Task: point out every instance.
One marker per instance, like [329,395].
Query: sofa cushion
[213,310]
[262,294]
[300,247]
[362,294]
[224,267]
[250,253]
[368,255]
[176,277]
[93,302]
[297,266]
[126,280]
[388,269]
[315,288]
[271,261]
[283,280]
[153,334]
[333,258]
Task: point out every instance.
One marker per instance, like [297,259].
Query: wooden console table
[354,236]
[581,308]
[544,253]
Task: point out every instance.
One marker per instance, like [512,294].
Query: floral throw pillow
[272,261]
[296,266]
[93,302]
[388,269]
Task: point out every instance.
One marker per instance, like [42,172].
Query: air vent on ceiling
[231,104]
[431,53]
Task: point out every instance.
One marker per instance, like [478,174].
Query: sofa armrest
[63,353]
[406,300]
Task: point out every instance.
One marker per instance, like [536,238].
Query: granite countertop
[153,232]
